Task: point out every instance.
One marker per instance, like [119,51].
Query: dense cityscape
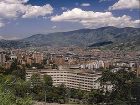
[71,75]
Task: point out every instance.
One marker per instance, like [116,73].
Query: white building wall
[83,81]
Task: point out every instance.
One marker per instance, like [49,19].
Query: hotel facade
[76,79]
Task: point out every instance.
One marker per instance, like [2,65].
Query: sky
[23,18]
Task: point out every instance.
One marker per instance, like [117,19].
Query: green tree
[48,82]
[37,87]
[21,88]
[62,93]
[95,97]
[121,82]
[7,96]
[136,90]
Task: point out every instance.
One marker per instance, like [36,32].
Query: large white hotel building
[72,78]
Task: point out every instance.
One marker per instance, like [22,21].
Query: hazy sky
[23,18]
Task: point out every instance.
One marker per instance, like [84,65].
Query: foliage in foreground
[14,90]
[8,98]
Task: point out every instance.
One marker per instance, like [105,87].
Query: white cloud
[15,1]
[16,8]
[92,19]
[125,4]
[11,9]
[35,11]
[85,4]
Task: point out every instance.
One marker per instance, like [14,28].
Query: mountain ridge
[84,37]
